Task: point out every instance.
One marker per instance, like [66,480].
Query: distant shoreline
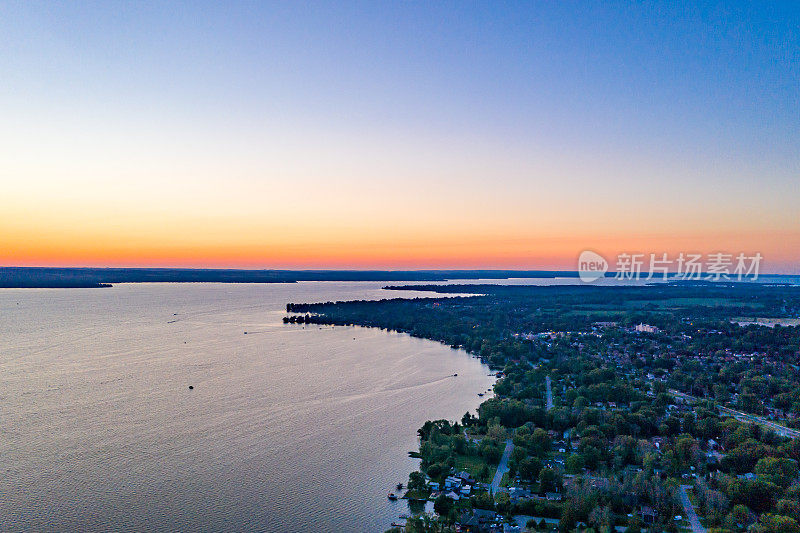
[73,277]
[79,277]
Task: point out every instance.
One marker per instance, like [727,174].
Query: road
[473,439]
[777,428]
[694,520]
[549,404]
[502,468]
[745,417]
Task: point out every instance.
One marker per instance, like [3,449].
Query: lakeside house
[465,478]
[452,482]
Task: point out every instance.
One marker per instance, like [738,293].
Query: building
[648,514]
[452,482]
[465,478]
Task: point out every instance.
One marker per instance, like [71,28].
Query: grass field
[473,465]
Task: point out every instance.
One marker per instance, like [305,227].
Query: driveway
[549,393]
[502,468]
[697,527]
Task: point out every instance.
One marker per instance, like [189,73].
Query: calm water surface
[288,428]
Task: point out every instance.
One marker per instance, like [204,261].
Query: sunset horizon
[348,136]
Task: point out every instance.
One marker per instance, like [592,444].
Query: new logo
[591,266]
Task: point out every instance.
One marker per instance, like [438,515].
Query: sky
[397,135]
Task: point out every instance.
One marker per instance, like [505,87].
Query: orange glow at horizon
[343,249]
[398,204]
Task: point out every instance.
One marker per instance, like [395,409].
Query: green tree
[574,464]
[549,480]
[779,524]
[529,468]
[739,517]
[568,520]
[482,500]
[788,507]
[757,494]
[778,470]
[503,503]
[416,481]
[443,506]
[484,472]
[540,442]
[601,518]
[634,525]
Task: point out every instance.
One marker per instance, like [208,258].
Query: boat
[391,496]
[480,394]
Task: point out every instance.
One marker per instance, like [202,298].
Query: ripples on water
[288,428]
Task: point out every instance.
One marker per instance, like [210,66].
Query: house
[434,485]
[518,493]
[553,496]
[453,496]
[484,515]
[452,482]
[648,514]
[477,521]
[465,478]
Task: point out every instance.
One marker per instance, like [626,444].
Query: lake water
[288,428]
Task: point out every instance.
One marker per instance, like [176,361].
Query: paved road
[694,520]
[473,439]
[549,393]
[502,468]
[745,417]
[777,428]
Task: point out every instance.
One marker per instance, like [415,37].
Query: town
[615,409]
